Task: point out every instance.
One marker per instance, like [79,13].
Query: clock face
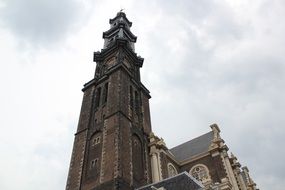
[110,62]
[127,63]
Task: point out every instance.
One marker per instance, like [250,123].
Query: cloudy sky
[206,61]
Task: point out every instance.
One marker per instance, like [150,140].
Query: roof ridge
[190,140]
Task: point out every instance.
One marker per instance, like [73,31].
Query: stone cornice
[196,157]
[119,42]
[109,32]
[184,162]
[110,71]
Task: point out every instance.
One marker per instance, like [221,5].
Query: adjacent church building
[114,146]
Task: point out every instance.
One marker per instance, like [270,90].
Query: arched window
[200,172]
[171,170]
[137,157]
[95,139]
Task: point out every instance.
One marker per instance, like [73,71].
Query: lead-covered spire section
[119,29]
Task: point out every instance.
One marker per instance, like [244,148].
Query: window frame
[201,177]
[170,165]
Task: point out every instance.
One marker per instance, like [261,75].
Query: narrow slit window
[94,163]
[96,141]
[98,97]
[136,101]
[131,97]
[105,93]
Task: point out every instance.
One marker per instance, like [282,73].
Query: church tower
[110,148]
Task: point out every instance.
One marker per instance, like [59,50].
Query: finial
[245,169]
[233,156]
[215,127]
[122,10]
[216,131]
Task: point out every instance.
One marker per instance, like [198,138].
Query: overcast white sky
[206,61]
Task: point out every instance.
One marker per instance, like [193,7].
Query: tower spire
[119,29]
[111,142]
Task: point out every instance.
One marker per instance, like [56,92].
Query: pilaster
[218,147]
[249,182]
[156,144]
[236,168]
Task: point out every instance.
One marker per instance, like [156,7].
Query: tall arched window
[171,170]
[200,172]
[137,157]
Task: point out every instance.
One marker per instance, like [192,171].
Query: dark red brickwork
[76,164]
[214,164]
[165,159]
[111,145]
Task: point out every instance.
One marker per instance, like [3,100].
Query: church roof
[193,147]
[182,181]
